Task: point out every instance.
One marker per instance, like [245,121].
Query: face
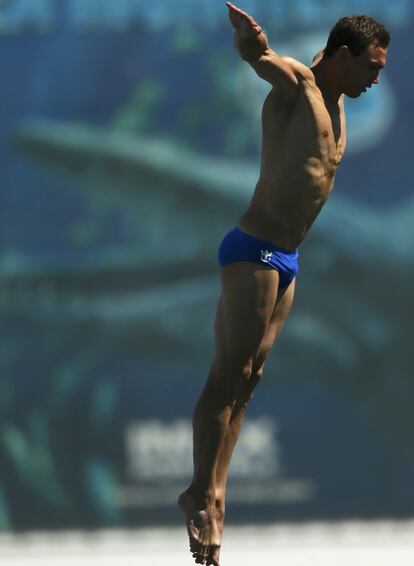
[362,71]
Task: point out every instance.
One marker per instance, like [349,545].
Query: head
[358,46]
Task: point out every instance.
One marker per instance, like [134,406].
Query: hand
[242,22]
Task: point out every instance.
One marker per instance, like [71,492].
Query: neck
[327,80]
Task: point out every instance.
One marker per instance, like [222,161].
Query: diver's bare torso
[302,145]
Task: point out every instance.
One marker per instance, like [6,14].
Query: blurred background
[130,140]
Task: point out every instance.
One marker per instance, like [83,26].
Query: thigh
[247,304]
[279,316]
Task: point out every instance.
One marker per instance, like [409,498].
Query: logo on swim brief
[265,255]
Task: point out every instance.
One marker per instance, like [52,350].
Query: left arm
[251,42]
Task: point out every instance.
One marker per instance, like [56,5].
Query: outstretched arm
[253,47]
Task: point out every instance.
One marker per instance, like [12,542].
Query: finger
[231,6]
[237,16]
[235,10]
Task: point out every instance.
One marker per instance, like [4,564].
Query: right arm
[251,42]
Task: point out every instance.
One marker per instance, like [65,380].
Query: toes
[194,546]
[193,536]
[206,553]
[202,554]
[214,555]
[194,551]
[198,556]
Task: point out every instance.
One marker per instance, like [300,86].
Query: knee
[247,385]
[239,377]
[242,378]
[252,374]
[257,372]
[252,370]
[256,375]
[259,363]
[246,371]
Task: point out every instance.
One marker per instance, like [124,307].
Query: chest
[330,125]
[304,129]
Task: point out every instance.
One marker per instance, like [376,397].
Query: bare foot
[202,529]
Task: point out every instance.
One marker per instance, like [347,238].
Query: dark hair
[356,32]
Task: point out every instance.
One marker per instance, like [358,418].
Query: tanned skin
[303,142]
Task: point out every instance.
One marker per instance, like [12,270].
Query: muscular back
[302,145]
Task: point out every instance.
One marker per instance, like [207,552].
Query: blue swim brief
[239,246]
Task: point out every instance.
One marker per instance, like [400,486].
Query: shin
[244,394]
[211,419]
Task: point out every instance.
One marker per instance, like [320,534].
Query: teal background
[130,139]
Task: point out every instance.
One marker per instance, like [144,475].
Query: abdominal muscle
[281,219]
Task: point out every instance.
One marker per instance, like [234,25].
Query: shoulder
[301,71]
[304,81]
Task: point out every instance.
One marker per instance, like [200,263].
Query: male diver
[303,142]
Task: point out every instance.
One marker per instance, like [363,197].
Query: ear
[343,52]
[317,57]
